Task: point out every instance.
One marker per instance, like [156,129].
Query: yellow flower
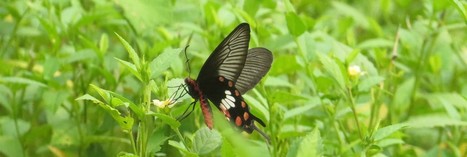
[355,70]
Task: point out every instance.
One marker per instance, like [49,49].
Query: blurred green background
[349,77]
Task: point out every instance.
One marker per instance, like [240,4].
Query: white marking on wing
[225,103]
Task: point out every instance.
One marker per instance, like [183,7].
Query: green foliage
[349,78]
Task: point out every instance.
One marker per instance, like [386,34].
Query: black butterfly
[230,71]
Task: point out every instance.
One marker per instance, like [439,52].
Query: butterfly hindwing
[258,63]
[229,101]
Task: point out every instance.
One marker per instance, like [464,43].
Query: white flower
[162,104]
[355,70]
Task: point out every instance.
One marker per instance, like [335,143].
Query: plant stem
[354,111]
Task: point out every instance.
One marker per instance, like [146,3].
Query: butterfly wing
[258,62]
[229,57]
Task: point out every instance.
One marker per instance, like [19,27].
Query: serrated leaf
[310,144]
[157,140]
[163,61]
[388,130]
[124,121]
[333,69]
[131,52]
[206,140]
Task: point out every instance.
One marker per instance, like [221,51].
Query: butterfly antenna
[261,132]
[187,114]
[186,56]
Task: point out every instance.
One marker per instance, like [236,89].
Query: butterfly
[230,71]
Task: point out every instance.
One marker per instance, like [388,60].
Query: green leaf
[20,80]
[145,15]
[227,150]
[376,43]
[368,82]
[333,69]
[461,9]
[295,24]
[124,121]
[310,144]
[163,61]
[131,67]
[11,146]
[251,7]
[51,65]
[20,128]
[285,64]
[173,123]
[206,140]
[157,140]
[103,93]
[388,130]
[131,52]
[126,154]
[403,94]
[103,43]
[257,107]
[431,121]
[136,109]
[301,109]
[181,148]
[347,10]
[391,141]
[272,81]
[286,97]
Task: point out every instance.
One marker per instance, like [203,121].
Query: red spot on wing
[238,121]
[246,116]
[243,104]
[237,93]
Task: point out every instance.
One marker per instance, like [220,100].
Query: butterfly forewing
[229,57]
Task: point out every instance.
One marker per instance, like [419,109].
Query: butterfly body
[230,71]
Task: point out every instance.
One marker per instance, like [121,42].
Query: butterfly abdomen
[197,94]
